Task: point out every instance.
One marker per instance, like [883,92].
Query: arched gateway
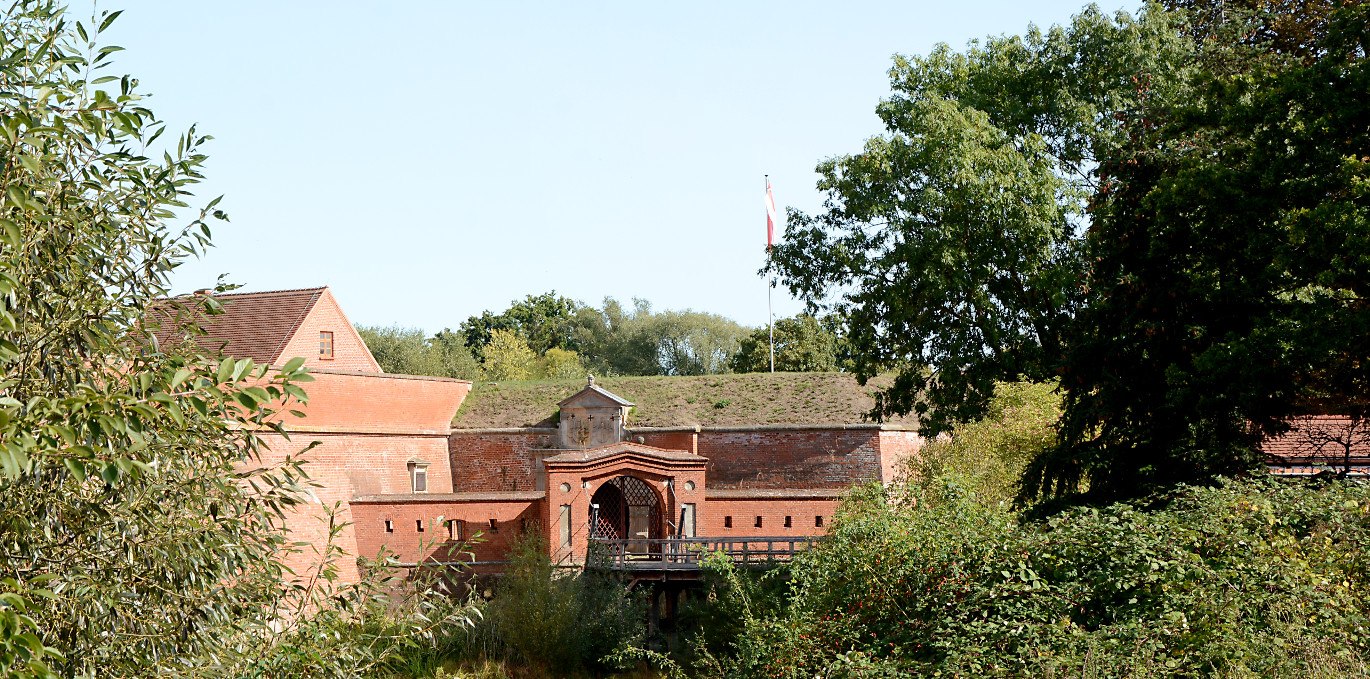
[626,508]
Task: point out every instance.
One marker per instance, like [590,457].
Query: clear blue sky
[432,159]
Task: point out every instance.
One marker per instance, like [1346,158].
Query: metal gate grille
[628,507]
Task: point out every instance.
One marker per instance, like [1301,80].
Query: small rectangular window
[564,525]
[494,527]
[389,526]
[418,477]
[727,522]
[418,523]
[458,529]
[453,533]
[758,522]
[789,522]
[818,521]
[326,345]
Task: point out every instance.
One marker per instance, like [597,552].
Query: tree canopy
[408,351]
[1165,210]
[141,532]
[130,536]
[803,343]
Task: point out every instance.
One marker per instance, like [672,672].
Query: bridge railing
[687,553]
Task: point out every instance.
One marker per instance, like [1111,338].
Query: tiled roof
[1334,440]
[254,325]
[602,452]
[596,389]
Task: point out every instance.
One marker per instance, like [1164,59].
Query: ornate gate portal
[628,509]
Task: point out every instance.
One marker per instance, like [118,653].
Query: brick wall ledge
[413,498]
[506,430]
[774,493]
[864,426]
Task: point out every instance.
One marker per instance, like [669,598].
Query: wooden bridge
[680,558]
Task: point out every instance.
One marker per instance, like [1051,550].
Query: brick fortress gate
[636,493]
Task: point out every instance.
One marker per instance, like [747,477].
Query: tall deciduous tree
[802,344]
[130,535]
[952,243]
[545,321]
[1231,268]
[1171,216]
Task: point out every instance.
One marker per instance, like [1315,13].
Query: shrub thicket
[549,621]
[1255,578]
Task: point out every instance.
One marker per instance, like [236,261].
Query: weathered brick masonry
[396,477]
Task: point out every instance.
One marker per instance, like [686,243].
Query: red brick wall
[350,402]
[411,546]
[496,461]
[348,465]
[578,497]
[673,440]
[349,351]
[772,512]
[790,458]
[895,448]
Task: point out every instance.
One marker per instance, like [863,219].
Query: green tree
[952,244]
[131,534]
[507,357]
[408,352]
[560,364]
[615,341]
[546,321]
[802,344]
[695,342]
[640,341]
[1231,272]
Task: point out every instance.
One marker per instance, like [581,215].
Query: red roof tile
[254,325]
[1332,440]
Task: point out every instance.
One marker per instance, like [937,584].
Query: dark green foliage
[615,341]
[1231,250]
[1247,579]
[952,242]
[802,344]
[545,321]
[1168,213]
[407,351]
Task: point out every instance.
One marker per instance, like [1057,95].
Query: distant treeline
[550,336]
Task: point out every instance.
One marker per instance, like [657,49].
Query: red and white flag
[771,219]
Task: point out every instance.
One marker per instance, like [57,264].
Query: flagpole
[770,288]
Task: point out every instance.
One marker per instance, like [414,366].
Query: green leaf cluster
[1245,579]
[1166,212]
[141,530]
[803,343]
[407,351]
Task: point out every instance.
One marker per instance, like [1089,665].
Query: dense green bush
[987,457]
[554,622]
[1257,578]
